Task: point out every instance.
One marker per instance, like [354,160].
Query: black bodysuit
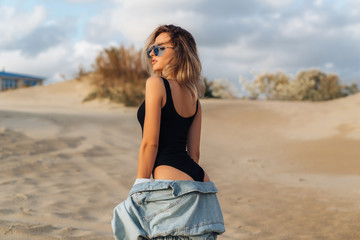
[173,138]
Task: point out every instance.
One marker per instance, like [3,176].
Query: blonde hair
[185,65]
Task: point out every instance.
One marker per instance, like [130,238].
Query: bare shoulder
[154,87]
[154,81]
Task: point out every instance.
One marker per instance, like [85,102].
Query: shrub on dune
[312,85]
[119,75]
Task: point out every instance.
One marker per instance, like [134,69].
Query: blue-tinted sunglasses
[158,50]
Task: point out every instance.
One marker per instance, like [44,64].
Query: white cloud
[353,30]
[42,65]
[278,3]
[144,6]
[329,65]
[81,1]
[354,8]
[86,50]
[15,24]
[59,60]
[135,20]
[318,3]
[233,39]
[302,26]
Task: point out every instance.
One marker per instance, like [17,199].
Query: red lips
[153,61]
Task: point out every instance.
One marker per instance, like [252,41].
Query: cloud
[63,59]
[276,3]
[81,1]
[15,24]
[318,3]
[135,20]
[234,38]
[43,64]
[42,46]
[87,50]
[44,37]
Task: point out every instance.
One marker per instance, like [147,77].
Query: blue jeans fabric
[169,210]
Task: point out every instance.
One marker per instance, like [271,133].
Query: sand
[284,170]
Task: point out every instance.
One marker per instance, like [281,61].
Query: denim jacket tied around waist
[169,208]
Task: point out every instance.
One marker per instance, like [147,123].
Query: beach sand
[284,170]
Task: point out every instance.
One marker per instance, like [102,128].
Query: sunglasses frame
[157,51]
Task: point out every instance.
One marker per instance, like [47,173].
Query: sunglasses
[158,50]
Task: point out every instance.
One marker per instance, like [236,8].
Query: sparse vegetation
[219,88]
[119,75]
[311,85]
[208,90]
[81,73]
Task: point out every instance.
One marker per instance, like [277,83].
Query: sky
[235,38]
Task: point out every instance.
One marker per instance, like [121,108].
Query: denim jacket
[182,209]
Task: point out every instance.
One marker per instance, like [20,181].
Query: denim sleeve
[126,224]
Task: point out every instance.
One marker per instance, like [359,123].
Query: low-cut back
[174,130]
[172,99]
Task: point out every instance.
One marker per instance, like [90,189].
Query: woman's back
[184,104]
[170,149]
[172,156]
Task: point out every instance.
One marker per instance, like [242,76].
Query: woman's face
[159,62]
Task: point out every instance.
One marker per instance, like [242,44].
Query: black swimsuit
[173,138]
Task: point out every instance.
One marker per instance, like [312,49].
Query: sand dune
[284,170]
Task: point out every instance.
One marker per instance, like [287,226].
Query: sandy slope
[284,170]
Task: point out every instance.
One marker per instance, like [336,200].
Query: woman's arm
[154,92]
[193,141]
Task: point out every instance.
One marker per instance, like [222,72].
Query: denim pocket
[144,197]
[139,197]
[160,195]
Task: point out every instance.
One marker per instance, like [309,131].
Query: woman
[175,203]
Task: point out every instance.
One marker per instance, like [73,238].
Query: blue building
[15,80]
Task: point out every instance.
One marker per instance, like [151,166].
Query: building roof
[4,74]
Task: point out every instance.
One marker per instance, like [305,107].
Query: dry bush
[312,85]
[81,73]
[219,88]
[119,75]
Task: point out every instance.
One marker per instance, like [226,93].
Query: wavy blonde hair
[185,65]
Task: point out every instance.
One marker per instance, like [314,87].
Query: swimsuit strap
[197,104]
[168,90]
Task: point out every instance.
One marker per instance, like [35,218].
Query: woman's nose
[152,52]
